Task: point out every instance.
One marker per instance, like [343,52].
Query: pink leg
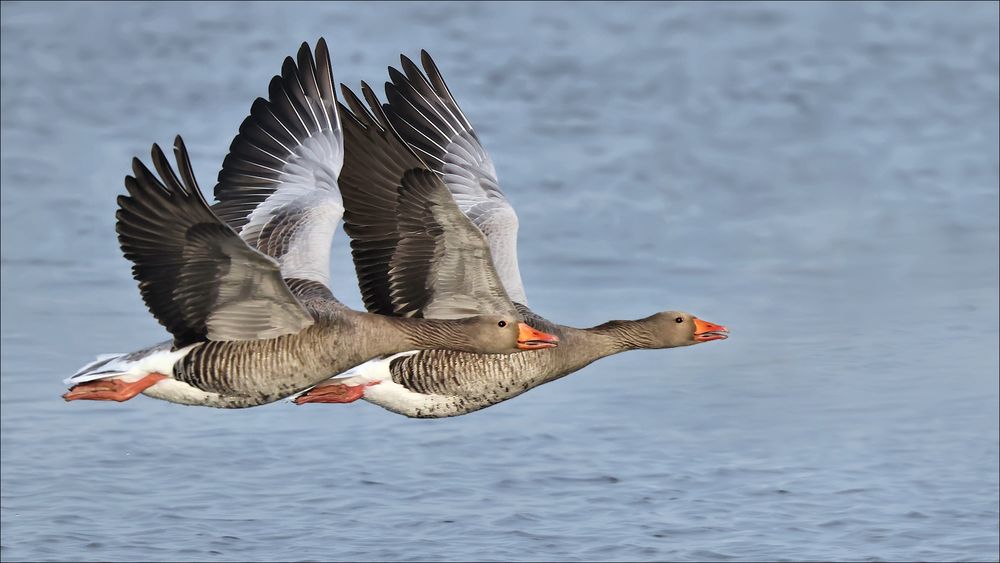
[111,389]
[333,393]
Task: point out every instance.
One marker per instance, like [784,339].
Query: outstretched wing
[198,278]
[415,252]
[278,184]
[424,113]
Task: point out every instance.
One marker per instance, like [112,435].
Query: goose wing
[425,115]
[278,184]
[415,252]
[198,278]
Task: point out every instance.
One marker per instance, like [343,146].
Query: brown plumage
[248,302]
[422,126]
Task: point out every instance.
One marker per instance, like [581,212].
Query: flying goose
[243,286]
[422,113]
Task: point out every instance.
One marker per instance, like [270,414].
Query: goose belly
[179,392]
[246,374]
[438,384]
[398,399]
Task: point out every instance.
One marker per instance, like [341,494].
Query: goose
[422,126]
[243,287]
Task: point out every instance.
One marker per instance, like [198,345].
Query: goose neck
[614,337]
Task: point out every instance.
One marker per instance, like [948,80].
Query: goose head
[671,329]
[500,334]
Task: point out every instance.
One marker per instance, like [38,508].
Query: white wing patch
[296,223]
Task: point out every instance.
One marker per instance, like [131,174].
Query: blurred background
[821,178]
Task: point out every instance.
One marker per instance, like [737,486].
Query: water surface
[821,178]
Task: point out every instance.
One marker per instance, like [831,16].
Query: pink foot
[111,389]
[333,393]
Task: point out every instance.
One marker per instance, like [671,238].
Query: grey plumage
[422,115]
[278,184]
[369,188]
[195,274]
[439,243]
[226,293]
[243,287]
[415,252]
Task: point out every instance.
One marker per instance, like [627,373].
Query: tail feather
[98,362]
[133,366]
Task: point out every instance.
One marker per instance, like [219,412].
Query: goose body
[240,374]
[422,126]
[438,383]
[444,383]
[243,285]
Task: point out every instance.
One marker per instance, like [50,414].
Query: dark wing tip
[395,75]
[288,67]
[323,65]
[412,72]
[156,152]
[166,172]
[180,150]
[305,58]
[322,51]
[429,66]
[346,91]
[186,170]
[145,180]
[405,61]
[274,87]
[375,105]
[355,109]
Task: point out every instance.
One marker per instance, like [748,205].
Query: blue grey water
[822,178]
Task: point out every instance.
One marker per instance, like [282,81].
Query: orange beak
[531,339]
[705,331]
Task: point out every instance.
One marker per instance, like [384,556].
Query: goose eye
[502,324]
[679,320]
